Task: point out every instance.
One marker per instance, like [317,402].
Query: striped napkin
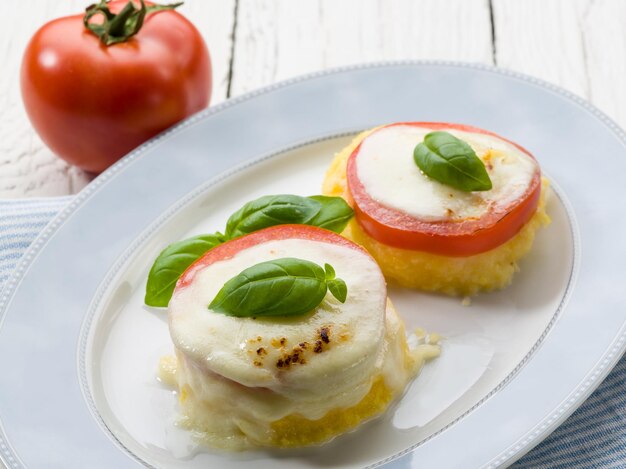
[593,437]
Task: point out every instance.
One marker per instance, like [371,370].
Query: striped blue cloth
[20,223]
[593,437]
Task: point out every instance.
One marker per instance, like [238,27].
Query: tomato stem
[120,27]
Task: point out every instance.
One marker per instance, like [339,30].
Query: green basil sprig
[171,264]
[334,213]
[331,213]
[281,287]
[268,211]
[451,161]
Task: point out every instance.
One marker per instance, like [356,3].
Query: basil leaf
[338,289]
[334,215]
[331,213]
[172,262]
[329,272]
[281,287]
[271,210]
[451,161]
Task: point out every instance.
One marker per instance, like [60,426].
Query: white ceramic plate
[78,350]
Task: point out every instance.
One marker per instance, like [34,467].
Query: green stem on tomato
[120,27]
[117,26]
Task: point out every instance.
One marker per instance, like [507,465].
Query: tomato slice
[231,248]
[457,238]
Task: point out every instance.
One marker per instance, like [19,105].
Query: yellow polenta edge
[295,430]
[491,270]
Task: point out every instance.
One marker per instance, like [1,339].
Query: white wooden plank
[27,167]
[578,44]
[542,38]
[604,37]
[278,39]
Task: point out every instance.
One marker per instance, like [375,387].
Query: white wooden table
[577,44]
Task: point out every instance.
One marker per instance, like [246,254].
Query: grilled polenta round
[286,380]
[454,275]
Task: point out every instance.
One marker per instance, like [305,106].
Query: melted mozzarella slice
[386,168]
[325,352]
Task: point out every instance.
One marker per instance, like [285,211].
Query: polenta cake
[285,337]
[441,207]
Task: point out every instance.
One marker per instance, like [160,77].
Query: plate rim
[517,449]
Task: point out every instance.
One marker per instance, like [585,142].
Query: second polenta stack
[449,225]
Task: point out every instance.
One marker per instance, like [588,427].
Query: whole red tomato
[92,103]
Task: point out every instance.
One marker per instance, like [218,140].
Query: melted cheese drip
[226,415]
[235,396]
[386,168]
